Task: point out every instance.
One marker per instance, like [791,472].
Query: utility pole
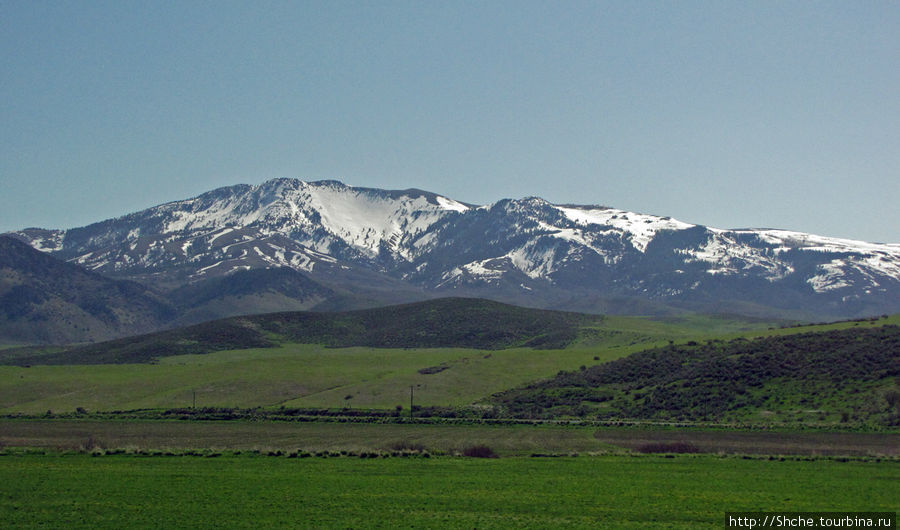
[194,402]
[410,401]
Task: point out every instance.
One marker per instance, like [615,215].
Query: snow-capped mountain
[281,223]
[526,251]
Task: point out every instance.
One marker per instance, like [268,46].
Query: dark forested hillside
[841,376]
[43,299]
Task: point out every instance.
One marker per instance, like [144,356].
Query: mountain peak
[521,250]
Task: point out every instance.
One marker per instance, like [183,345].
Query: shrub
[434,369]
[479,451]
[672,447]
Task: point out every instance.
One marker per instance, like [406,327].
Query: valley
[323,336]
[449,265]
[308,415]
[272,360]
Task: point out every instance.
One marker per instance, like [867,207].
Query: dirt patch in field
[754,442]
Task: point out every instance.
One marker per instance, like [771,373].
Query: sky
[775,114]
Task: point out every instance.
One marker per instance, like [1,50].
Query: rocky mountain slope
[368,246]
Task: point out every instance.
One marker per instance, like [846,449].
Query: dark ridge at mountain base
[831,376]
[45,300]
[445,322]
[247,292]
[449,322]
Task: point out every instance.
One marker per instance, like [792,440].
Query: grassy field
[302,375]
[299,375]
[294,376]
[79,491]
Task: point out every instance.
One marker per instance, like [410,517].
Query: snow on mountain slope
[769,251]
[317,214]
[640,228]
[435,243]
[367,220]
[613,235]
[282,222]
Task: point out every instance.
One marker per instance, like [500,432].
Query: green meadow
[291,375]
[80,491]
[308,375]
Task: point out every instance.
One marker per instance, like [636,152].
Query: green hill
[837,376]
[297,359]
[457,352]
[449,322]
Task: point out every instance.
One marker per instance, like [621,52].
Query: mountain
[43,299]
[369,247]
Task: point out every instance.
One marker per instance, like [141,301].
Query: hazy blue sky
[731,114]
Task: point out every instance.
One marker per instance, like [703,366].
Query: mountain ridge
[525,251]
[47,300]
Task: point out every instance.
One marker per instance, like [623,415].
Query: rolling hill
[457,353]
[834,376]
[442,323]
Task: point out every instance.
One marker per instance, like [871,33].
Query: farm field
[286,436]
[80,491]
[505,440]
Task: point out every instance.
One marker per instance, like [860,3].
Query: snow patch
[830,277]
[640,228]
[451,205]
[203,270]
[728,256]
[220,234]
[535,264]
[49,244]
